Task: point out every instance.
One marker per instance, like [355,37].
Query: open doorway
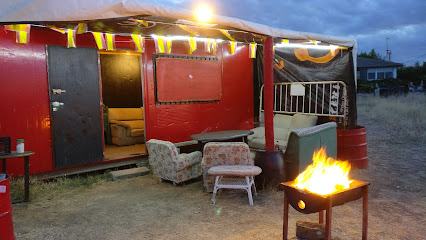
[123,113]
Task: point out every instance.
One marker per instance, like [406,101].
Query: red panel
[180,80]
[177,122]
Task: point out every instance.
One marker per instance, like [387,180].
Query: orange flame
[325,175]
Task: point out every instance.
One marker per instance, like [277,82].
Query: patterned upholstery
[223,153]
[167,164]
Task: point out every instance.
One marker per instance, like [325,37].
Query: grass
[42,191]
[406,115]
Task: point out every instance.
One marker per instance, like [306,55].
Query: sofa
[283,125]
[127,126]
[168,164]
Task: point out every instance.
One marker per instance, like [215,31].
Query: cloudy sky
[370,22]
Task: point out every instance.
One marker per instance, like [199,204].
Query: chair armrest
[187,159]
[259,132]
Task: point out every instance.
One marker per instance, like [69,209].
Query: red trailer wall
[177,122]
[24,95]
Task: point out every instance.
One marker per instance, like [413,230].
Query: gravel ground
[143,208]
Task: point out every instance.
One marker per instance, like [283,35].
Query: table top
[235,170]
[13,154]
[221,135]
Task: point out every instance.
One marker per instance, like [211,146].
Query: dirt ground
[143,208]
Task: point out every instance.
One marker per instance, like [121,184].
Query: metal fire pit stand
[292,196]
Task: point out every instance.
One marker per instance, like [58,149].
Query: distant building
[372,69]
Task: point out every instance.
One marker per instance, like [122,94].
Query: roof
[53,11]
[371,63]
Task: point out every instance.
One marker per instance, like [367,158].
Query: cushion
[125,114]
[282,121]
[302,121]
[280,134]
[135,124]
[260,143]
[137,132]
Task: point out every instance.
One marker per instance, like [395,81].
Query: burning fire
[324,175]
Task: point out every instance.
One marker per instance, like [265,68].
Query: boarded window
[182,79]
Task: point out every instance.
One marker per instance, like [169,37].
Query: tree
[372,54]
[415,74]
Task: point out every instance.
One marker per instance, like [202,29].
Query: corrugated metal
[77,125]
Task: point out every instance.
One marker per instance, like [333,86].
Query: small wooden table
[26,155]
[220,136]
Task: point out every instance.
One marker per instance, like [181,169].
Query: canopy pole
[268,88]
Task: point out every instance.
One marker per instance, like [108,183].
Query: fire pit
[323,185]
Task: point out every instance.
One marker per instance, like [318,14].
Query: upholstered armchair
[168,164]
[223,153]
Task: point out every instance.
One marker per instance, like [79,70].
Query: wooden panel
[183,80]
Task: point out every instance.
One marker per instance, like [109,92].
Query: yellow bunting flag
[252,50]
[139,42]
[22,32]
[81,28]
[63,31]
[214,47]
[189,30]
[169,45]
[192,45]
[159,44]
[143,22]
[332,50]
[232,47]
[110,40]
[285,41]
[71,38]
[207,45]
[314,41]
[100,40]
[227,34]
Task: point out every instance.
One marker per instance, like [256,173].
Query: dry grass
[406,115]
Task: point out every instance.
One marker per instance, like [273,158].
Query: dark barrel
[272,165]
[6,223]
[352,146]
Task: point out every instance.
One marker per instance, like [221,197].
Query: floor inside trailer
[118,152]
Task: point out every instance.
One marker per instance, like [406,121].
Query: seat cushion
[137,132]
[260,143]
[302,121]
[282,121]
[134,124]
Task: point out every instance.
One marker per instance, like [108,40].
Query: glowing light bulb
[204,14]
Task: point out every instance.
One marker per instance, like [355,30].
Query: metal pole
[365,213]
[268,81]
[328,214]
[285,218]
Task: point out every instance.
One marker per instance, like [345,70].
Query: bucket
[6,223]
[352,146]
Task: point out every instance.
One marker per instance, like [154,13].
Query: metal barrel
[6,223]
[352,146]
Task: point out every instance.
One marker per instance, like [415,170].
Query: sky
[370,22]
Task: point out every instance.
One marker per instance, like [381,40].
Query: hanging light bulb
[203,13]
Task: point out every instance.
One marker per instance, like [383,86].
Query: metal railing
[328,98]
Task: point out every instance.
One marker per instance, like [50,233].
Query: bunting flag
[207,45]
[143,22]
[227,35]
[189,30]
[285,41]
[192,45]
[63,31]
[169,46]
[110,41]
[252,50]
[100,40]
[22,32]
[81,28]
[71,38]
[159,44]
[232,47]
[214,47]
[332,50]
[314,41]
[139,42]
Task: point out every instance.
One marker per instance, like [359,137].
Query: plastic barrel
[6,223]
[352,146]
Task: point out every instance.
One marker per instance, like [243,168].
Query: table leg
[285,218]
[27,178]
[4,165]
[321,217]
[365,213]
[328,220]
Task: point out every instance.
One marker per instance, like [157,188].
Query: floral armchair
[169,165]
[223,153]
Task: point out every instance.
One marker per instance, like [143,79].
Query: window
[389,75]
[371,76]
[380,75]
[358,75]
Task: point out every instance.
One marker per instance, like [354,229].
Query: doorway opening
[122,104]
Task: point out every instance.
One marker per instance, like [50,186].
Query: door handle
[56,105]
[58,91]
